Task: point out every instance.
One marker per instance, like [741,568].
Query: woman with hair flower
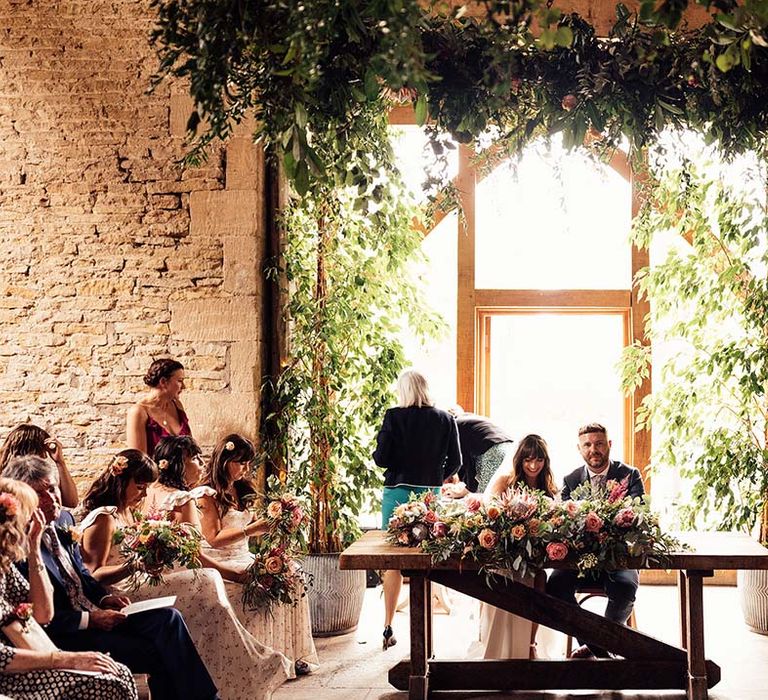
[502,634]
[240,665]
[228,525]
[30,439]
[37,669]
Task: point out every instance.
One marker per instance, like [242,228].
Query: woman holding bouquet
[240,665]
[418,446]
[502,634]
[228,526]
[37,669]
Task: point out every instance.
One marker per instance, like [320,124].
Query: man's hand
[115,602]
[105,619]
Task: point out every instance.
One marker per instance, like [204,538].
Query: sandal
[302,668]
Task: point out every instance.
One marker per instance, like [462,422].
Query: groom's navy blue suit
[155,642]
[619,586]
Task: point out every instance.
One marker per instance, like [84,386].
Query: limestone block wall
[111,252]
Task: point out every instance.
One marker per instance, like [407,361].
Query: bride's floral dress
[242,667]
[286,628]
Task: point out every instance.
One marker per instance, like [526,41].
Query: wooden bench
[647,663]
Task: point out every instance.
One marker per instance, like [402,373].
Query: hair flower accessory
[162,464]
[9,506]
[118,465]
[230,446]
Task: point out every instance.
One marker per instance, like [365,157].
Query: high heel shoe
[389,638]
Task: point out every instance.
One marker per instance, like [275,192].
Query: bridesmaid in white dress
[242,667]
[502,634]
[227,527]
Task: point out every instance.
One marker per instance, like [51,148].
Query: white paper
[151,604]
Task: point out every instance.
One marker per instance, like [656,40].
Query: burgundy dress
[156,432]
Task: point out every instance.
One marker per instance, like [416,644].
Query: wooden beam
[465,286]
[547,610]
[608,300]
[515,674]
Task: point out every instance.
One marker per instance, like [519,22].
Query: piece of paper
[151,604]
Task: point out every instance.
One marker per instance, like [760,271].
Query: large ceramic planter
[335,597]
[753,596]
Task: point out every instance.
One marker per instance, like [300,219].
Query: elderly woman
[28,439]
[30,665]
[418,446]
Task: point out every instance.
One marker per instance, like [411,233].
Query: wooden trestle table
[646,662]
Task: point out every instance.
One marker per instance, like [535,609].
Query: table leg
[418,682]
[683,609]
[428,614]
[697,671]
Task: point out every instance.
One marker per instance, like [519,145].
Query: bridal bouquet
[274,577]
[153,546]
[286,513]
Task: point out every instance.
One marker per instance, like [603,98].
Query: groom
[619,586]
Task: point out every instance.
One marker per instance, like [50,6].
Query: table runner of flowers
[525,530]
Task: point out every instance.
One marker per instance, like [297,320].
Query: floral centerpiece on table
[153,546]
[275,575]
[523,530]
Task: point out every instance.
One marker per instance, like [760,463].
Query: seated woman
[29,439]
[39,670]
[502,634]
[241,667]
[227,527]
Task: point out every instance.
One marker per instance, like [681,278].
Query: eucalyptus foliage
[709,303]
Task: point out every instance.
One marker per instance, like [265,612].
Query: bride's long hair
[533,447]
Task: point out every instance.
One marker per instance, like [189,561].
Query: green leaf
[421,110]
[301,179]
[371,85]
[563,36]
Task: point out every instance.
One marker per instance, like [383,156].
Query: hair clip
[230,446]
[162,464]
[118,465]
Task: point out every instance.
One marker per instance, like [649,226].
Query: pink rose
[273,565]
[571,507]
[518,531]
[533,526]
[625,517]
[557,551]
[439,529]
[274,509]
[430,517]
[592,522]
[487,538]
[473,502]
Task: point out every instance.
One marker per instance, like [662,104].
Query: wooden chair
[582,596]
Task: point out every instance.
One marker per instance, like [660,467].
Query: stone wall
[112,252]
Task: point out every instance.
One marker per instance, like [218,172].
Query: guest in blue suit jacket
[87,617]
[619,586]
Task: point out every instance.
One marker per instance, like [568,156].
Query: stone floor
[354,667]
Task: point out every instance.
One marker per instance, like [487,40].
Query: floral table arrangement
[524,530]
[153,546]
[275,575]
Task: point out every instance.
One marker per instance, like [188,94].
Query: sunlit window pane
[551,373]
[556,220]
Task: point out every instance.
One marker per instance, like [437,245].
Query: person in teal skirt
[418,447]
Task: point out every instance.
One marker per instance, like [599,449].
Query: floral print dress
[51,684]
[242,667]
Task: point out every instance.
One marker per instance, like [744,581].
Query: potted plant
[709,301]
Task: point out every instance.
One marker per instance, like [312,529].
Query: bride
[502,634]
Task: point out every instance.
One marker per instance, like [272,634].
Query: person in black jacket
[418,446]
[620,586]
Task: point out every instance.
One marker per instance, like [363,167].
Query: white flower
[229,446]
[162,464]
